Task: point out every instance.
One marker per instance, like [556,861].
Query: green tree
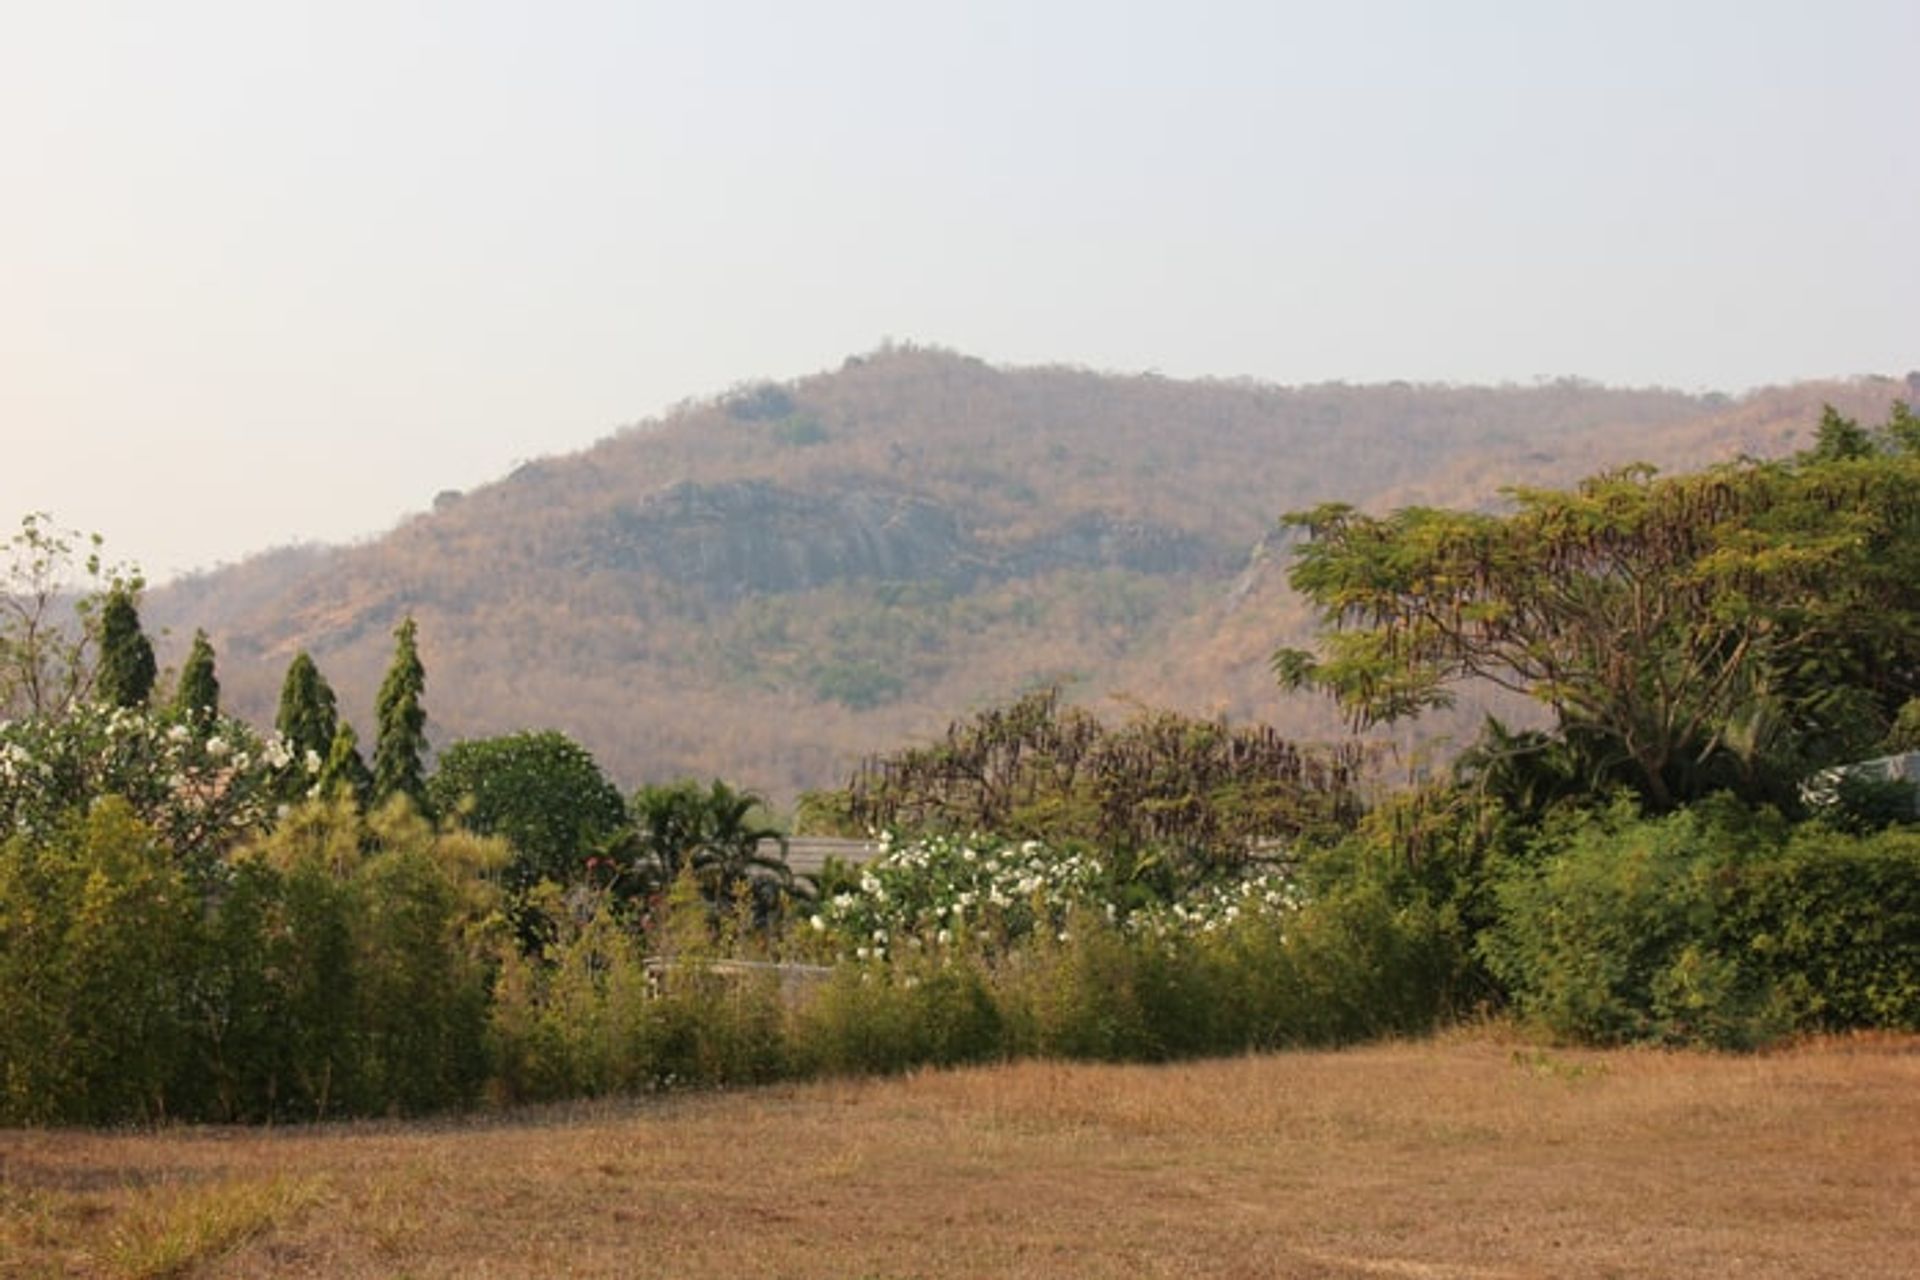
[198,697]
[344,771]
[127,668]
[1724,628]
[542,791]
[401,745]
[716,833]
[307,721]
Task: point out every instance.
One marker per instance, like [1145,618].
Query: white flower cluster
[936,891]
[942,888]
[1217,905]
[194,785]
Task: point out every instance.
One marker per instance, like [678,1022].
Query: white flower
[217,747]
[312,761]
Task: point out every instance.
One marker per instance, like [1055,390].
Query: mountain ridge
[769,583]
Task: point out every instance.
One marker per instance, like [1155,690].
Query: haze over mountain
[766,585]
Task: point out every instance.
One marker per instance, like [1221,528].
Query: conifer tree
[127,668]
[198,697]
[345,770]
[308,715]
[400,748]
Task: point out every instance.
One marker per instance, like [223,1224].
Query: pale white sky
[280,271]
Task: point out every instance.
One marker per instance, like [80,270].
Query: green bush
[878,1018]
[308,978]
[1714,925]
[98,932]
[1832,922]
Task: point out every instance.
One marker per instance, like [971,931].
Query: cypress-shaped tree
[307,720]
[400,748]
[198,697]
[127,668]
[345,770]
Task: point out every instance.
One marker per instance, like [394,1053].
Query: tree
[715,832]
[542,791]
[198,697]
[344,771]
[47,668]
[401,743]
[1205,791]
[1688,629]
[307,720]
[127,668]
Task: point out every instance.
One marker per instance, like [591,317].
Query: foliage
[541,791]
[1724,628]
[198,694]
[715,833]
[312,978]
[1832,923]
[943,891]
[309,715]
[127,667]
[47,667]
[200,785]
[401,745]
[345,772]
[1714,924]
[1203,791]
[96,942]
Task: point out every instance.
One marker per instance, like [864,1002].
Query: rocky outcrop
[1094,540]
[753,537]
[750,536]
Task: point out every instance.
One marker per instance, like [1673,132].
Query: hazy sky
[273,272]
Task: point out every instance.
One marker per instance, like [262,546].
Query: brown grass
[1471,1156]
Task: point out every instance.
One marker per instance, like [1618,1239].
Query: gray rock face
[750,537]
[1092,540]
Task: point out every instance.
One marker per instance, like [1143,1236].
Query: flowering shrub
[1218,904]
[942,888]
[199,785]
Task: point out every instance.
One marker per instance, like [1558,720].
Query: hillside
[768,584]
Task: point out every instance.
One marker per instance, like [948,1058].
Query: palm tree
[717,833]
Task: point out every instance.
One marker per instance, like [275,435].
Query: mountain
[767,584]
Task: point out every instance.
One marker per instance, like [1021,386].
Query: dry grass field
[1469,1156]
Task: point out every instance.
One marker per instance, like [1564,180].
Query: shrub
[1832,922]
[1713,925]
[98,932]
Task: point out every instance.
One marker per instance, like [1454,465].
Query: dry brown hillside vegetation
[768,584]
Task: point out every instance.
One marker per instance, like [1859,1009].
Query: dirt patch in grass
[1469,1156]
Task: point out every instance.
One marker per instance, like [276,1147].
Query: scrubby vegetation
[782,605]
[200,921]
